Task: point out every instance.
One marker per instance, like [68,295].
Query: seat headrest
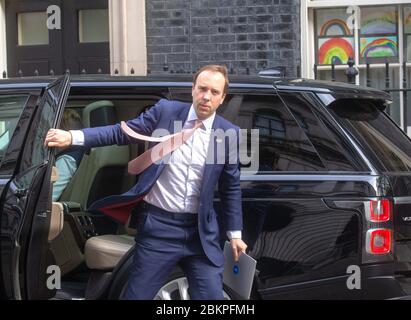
[99,113]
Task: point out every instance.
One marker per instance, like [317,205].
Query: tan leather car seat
[105,251]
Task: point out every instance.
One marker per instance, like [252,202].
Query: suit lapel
[180,116]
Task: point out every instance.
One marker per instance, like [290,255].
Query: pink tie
[167,145]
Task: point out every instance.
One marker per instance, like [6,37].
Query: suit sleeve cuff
[234,234]
[77,137]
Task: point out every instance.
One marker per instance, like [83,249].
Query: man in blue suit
[177,223]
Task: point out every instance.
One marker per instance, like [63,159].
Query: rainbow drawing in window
[332,22]
[335,50]
[378,47]
[378,20]
[335,27]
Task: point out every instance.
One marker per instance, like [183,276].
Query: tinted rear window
[375,130]
[333,149]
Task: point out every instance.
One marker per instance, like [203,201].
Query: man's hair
[71,120]
[214,68]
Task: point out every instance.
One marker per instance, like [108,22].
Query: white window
[32,28]
[93,25]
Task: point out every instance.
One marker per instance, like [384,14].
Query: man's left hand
[238,246]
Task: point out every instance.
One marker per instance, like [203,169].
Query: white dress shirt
[178,187]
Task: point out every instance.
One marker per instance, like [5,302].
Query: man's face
[207,93]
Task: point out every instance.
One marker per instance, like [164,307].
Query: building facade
[245,35]
[152,36]
[308,38]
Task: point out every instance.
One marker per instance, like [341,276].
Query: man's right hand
[58,138]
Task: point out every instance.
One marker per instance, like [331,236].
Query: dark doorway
[82,43]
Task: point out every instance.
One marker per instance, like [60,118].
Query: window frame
[309,50]
[20,30]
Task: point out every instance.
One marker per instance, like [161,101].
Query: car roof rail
[274,72]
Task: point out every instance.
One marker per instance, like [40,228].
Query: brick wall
[245,35]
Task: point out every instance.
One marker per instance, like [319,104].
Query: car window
[36,149]
[329,144]
[373,127]
[11,107]
[35,153]
[283,145]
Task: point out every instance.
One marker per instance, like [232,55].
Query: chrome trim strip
[36,85]
[307,177]
[118,83]
[402,200]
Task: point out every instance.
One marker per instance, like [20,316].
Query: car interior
[85,243]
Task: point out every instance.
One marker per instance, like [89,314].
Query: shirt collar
[207,123]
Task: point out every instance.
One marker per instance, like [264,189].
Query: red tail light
[378,241]
[380,210]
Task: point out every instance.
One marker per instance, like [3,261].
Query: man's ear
[223,98]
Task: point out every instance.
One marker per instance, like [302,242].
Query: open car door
[26,203]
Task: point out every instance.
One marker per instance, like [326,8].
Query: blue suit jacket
[225,175]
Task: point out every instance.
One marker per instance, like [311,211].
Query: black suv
[326,208]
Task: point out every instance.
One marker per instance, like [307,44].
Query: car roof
[183,80]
